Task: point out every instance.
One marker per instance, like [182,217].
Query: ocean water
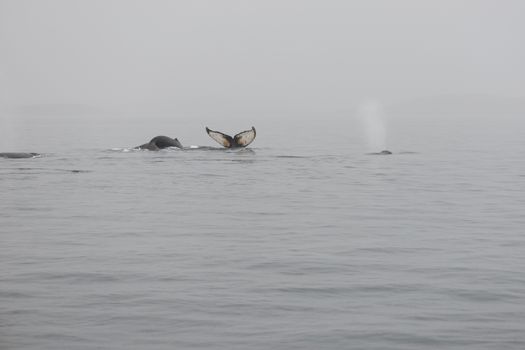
[301,241]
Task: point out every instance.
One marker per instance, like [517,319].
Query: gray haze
[310,238]
[201,57]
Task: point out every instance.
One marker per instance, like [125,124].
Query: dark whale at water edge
[160,142]
[382,153]
[18,155]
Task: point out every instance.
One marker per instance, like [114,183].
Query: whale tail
[241,139]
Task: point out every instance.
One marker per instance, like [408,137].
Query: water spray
[371,114]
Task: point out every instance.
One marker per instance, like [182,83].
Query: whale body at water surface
[382,153]
[160,142]
[17,155]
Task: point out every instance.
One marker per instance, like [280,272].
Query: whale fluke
[160,142]
[242,139]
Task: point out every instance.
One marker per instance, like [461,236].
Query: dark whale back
[17,155]
[382,153]
[165,142]
[160,142]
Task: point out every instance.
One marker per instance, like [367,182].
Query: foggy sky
[257,55]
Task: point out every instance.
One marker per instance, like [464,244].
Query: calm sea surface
[302,241]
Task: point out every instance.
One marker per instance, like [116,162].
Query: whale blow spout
[374,121]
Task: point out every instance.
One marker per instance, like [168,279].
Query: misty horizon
[237,57]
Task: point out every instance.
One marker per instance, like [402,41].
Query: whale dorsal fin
[177,143]
[244,138]
[222,139]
